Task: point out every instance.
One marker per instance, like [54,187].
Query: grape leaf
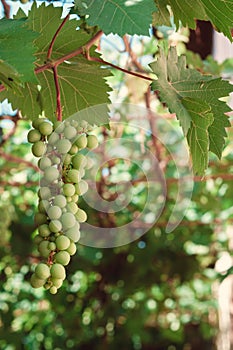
[219,12]
[176,82]
[9,76]
[162,16]
[198,137]
[118,16]
[81,81]
[15,37]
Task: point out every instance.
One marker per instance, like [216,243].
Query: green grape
[54,212]
[43,206]
[81,216]
[53,138]
[69,132]
[47,285]
[38,239]
[55,226]
[38,149]
[34,136]
[79,161]
[75,198]
[43,249]
[40,219]
[67,159]
[73,233]
[90,163]
[36,282]
[73,150]
[44,230]
[58,271]
[44,193]
[56,282]
[68,190]
[52,246]
[63,146]
[73,175]
[44,163]
[45,128]
[81,187]
[62,242]
[58,126]
[53,290]
[72,249]
[51,174]
[72,207]
[68,220]
[60,201]
[92,141]
[81,141]
[56,160]
[62,257]
[81,172]
[42,271]
[37,122]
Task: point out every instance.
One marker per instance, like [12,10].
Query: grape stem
[50,49]
[58,93]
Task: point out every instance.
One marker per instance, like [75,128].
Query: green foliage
[176,84]
[15,36]
[218,13]
[118,16]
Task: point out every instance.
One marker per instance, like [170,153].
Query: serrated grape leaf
[9,76]
[218,12]
[81,81]
[176,82]
[118,16]
[198,136]
[17,48]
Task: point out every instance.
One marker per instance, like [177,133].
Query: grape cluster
[62,163]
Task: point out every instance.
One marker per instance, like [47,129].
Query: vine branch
[58,93]
[6,8]
[50,49]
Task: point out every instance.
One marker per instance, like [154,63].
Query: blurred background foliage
[157,293]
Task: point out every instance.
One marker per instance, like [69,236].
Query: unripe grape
[67,159]
[45,128]
[52,246]
[42,271]
[68,190]
[58,271]
[72,249]
[58,126]
[62,242]
[37,239]
[81,172]
[81,216]
[75,198]
[47,285]
[81,187]
[54,212]
[44,193]
[37,122]
[56,160]
[53,138]
[73,150]
[73,175]
[90,163]
[79,161]
[44,163]
[60,201]
[55,226]
[69,132]
[73,233]
[51,174]
[43,249]
[63,146]
[43,206]
[40,219]
[33,136]
[38,149]
[62,257]
[56,282]
[68,220]
[81,141]
[92,141]
[44,230]
[53,290]
[72,207]
[36,282]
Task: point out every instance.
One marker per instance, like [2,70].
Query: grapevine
[59,147]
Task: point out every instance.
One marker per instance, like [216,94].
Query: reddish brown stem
[58,93]
[50,50]
[6,8]
[132,55]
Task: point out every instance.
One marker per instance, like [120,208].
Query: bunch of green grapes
[62,163]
